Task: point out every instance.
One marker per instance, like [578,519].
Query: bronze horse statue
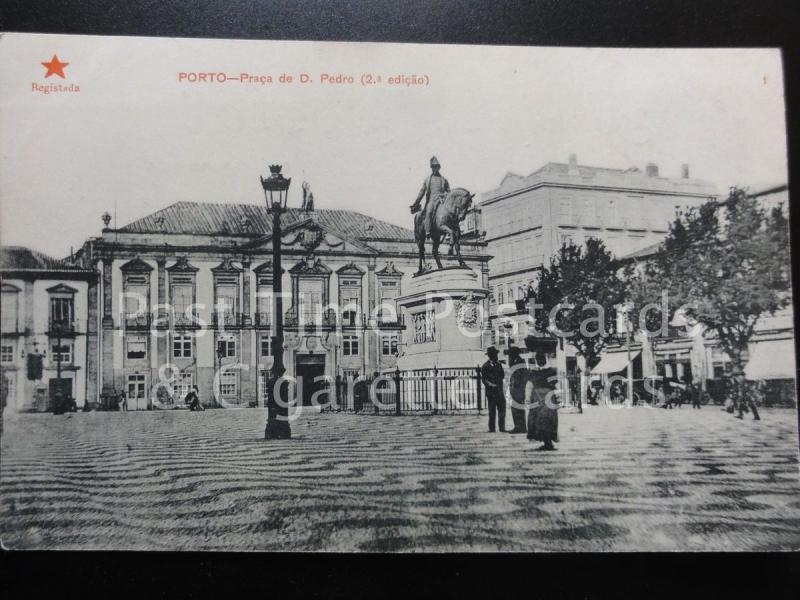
[448,213]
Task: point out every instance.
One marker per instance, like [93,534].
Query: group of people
[688,392]
[530,390]
[192,400]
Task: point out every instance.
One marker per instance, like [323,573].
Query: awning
[772,359]
[613,363]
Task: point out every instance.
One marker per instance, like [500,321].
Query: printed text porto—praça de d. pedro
[327,79]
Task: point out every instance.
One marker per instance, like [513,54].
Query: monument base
[444,314]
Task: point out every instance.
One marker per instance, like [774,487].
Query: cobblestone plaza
[621,480]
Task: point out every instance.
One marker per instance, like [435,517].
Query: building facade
[527,219]
[700,359]
[185,298]
[45,347]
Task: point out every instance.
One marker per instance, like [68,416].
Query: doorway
[310,369]
[60,390]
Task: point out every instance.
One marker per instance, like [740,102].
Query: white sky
[135,140]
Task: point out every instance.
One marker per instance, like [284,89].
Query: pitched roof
[200,218]
[562,173]
[19,258]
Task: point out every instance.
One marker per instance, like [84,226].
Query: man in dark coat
[193,399]
[543,415]
[518,380]
[492,375]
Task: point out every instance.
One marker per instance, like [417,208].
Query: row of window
[226,346]
[506,293]
[58,353]
[62,310]
[226,295]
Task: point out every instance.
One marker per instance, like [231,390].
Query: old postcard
[367,297]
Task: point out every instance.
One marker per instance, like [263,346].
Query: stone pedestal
[444,320]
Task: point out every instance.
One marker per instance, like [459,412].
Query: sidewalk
[622,480]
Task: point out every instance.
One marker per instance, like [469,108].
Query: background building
[700,358]
[190,286]
[44,322]
[527,219]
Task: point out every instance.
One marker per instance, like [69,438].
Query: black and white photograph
[371,297]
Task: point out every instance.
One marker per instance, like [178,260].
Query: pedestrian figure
[695,394]
[661,397]
[668,395]
[193,399]
[518,380]
[681,393]
[543,415]
[492,375]
[122,402]
[591,394]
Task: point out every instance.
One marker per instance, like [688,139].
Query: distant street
[621,480]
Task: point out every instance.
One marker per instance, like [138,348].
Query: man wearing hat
[492,376]
[434,188]
[518,380]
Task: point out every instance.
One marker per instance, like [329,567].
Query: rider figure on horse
[433,190]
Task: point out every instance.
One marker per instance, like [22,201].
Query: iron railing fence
[434,391]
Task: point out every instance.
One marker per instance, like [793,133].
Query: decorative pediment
[60,289]
[308,234]
[389,271]
[265,267]
[137,265]
[182,266]
[310,266]
[226,266]
[350,269]
[7,288]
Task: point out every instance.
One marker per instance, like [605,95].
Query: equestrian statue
[440,217]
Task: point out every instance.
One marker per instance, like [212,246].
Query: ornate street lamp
[276,190]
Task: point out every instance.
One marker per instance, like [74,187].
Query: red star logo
[54,67]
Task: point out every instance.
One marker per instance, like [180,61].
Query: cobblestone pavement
[621,480]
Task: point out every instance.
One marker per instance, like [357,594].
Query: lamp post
[276,190]
[628,307]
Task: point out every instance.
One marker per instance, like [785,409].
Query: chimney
[651,169]
[573,163]
[685,170]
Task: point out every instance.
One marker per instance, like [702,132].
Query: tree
[726,265]
[577,298]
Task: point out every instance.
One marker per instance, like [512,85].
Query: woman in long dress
[543,415]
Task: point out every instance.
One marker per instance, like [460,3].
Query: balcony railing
[226,318]
[390,320]
[263,319]
[184,321]
[61,327]
[142,321]
[310,318]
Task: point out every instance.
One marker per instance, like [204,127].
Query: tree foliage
[577,296]
[724,265]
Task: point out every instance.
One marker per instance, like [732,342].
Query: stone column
[92,343]
[371,334]
[249,377]
[30,341]
[162,329]
[108,329]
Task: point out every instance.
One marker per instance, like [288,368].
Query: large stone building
[190,286]
[527,219]
[677,355]
[46,347]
